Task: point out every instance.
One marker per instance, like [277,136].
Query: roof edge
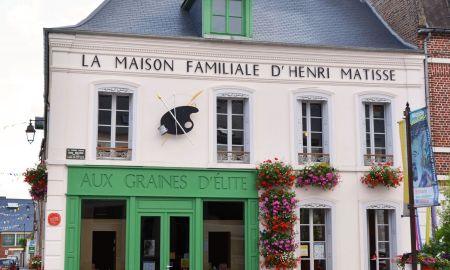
[389,28]
[64,30]
[433,30]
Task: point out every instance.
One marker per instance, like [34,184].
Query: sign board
[75,153]
[54,219]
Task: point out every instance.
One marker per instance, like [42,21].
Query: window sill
[226,36]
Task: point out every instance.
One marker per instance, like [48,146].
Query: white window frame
[318,96]
[394,233]
[330,224]
[387,101]
[116,89]
[233,93]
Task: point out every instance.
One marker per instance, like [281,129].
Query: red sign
[54,219]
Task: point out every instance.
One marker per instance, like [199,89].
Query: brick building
[426,25]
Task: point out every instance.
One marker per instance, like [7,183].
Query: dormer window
[228,17]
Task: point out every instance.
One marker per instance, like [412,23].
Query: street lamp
[30,131]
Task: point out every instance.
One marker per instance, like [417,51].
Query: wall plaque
[75,153]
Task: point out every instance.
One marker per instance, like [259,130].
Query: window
[314,143]
[232,129]
[113,136]
[381,235]
[229,17]
[8,240]
[377,133]
[315,238]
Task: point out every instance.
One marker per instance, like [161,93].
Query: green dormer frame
[222,17]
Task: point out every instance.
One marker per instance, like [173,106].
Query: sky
[22,79]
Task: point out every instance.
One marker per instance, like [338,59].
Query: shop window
[232,130]
[315,239]
[313,138]
[377,133]
[8,239]
[114,126]
[381,236]
[223,235]
[228,17]
[103,234]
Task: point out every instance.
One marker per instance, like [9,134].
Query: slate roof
[329,23]
[13,219]
[437,14]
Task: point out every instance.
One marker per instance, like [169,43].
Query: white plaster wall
[72,117]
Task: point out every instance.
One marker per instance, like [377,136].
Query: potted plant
[36,262]
[320,175]
[426,261]
[37,179]
[274,173]
[382,174]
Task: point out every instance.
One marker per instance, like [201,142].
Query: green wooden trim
[73,216]
[131,252]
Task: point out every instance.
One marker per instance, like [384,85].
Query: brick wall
[439,87]
[401,15]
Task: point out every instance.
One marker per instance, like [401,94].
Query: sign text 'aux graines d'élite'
[248,70]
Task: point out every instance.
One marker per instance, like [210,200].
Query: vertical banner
[402,129]
[424,180]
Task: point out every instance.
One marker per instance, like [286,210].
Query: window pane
[305,139]
[384,265]
[378,111]
[238,122]
[366,110]
[316,150]
[380,140]
[319,233]
[222,121]
[367,139]
[235,25]
[237,106]
[304,124]
[122,145]
[316,109]
[104,144]
[104,101]
[380,151]
[237,148]
[238,137]
[304,233]
[122,134]
[383,250]
[219,7]
[304,109]
[379,126]
[319,216]
[383,232]
[304,216]
[316,139]
[104,117]
[320,265]
[236,8]
[218,24]
[222,136]
[221,106]
[123,103]
[8,240]
[316,124]
[305,264]
[122,118]
[382,216]
[367,125]
[104,133]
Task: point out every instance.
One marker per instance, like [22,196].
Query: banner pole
[412,212]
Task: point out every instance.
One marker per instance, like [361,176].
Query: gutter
[434,30]
[43,153]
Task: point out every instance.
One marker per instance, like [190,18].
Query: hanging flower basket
[35,262]
[320,175]
[383,174]
[276,208]
[37,179]
[274,174]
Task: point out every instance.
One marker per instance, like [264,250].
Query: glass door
[165,242]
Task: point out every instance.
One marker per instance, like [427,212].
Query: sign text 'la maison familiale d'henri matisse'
[236,69]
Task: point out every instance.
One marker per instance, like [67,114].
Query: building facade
[136,189]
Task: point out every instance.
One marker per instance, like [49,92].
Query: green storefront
[161,218]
